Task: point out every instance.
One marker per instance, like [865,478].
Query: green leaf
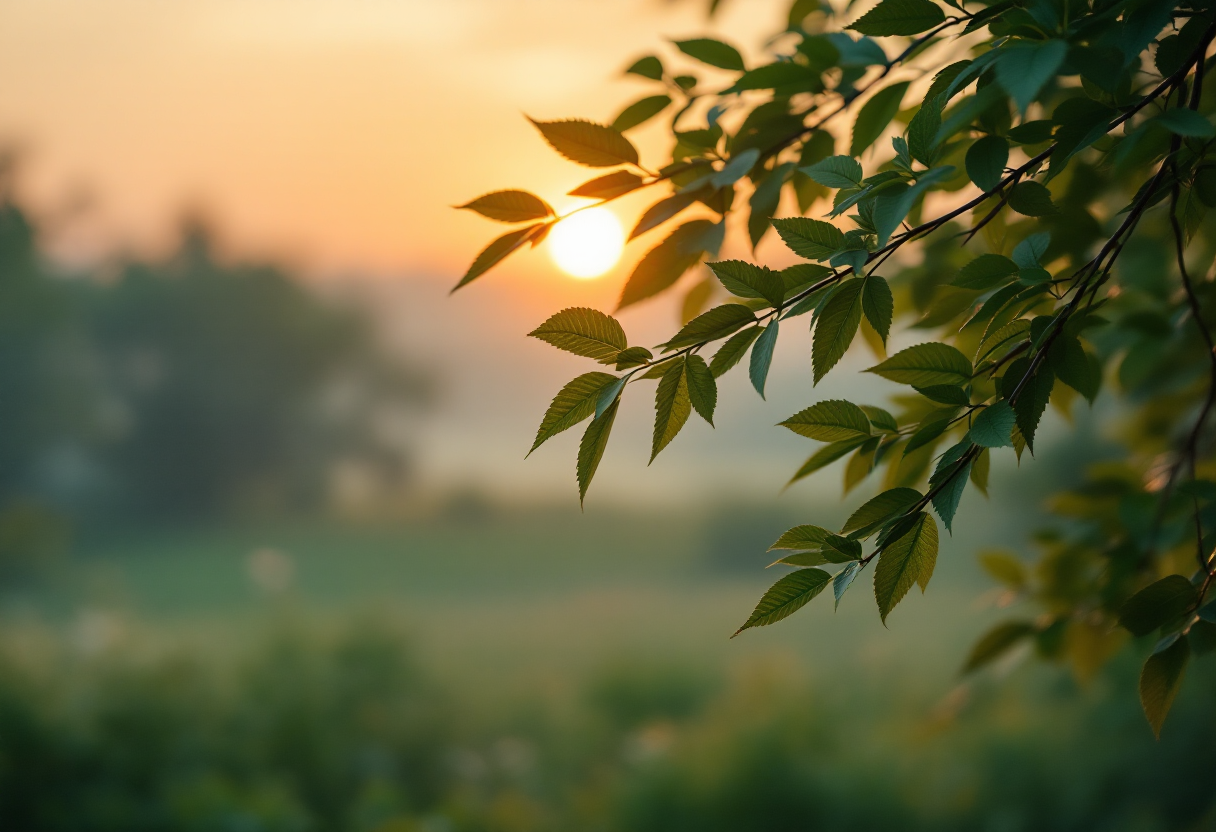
[878,305]
[1032,132]
[1032,199]
[878,510]
[1028,254]
[732,352]
[492,254]
[986,160]
[588,143]
[702,389]
[844,579]
[810,239]
[985,272]
[1184,122]
[802,538]
[877,114]
[996,643]
[672,407]
[1032,401]
[572,404]
[762,357]
[907,560]
[633,357]
[926,365]
[786,597]
[765,200]
[1157,604]
[736,168]
[835,328]
[784,74]
[609,185]
[993,428]
[510,206]
[640,111]
[922,130]
[712,325]
[1005,568]
[1076,367]
[836,172]
[747,280]
[664,264]
[648,67]
[948,483]
[661,212]
[826,456]
[829,421]
[899,17]
[1024,67]
[1160,680]
[712,52]
[586,332]
[591,448]
[609,395]
[945,394]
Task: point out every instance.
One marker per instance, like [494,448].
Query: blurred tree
[1053,163]
[187,388]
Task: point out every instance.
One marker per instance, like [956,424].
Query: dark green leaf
[672,407]
[880,418]
[510,206]
[712,52]
[1160,680]
[907,560]
[633,357]
[640,111]
[736,168]
[747,280]
[948,483]
[835,327]
[945,394]
[586,332]
[926,365]
[880,509]
[1157,604]
[1024,67]
[786,597]
[899,17]
[783,74]
[878,305]
[712,325]
[648,67]
[922,131]
[588,143]
[702,389]
[732,352]
[829,421]
[996,643]
[810,239]
[799,276]
[1076,367]
[762,357]
[591,448]
[661,212]
[993,428]
[492,254]
[826,456]
[877,113]
[836,172]
[573,403]
[986,160]
[1028,254]
[985,272]
[1032,199]
[1185,122]
[1032,132]
[664,264]
[765,200]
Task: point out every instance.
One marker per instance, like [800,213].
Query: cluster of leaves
[1053,161]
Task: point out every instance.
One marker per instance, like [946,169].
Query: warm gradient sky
[335,134]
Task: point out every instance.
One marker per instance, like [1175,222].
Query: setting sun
[588,243]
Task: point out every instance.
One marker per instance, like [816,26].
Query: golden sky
[332,132]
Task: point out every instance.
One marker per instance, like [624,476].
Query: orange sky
[333,132]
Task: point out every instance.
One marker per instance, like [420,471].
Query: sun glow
[588,243]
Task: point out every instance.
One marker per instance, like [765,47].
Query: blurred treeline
[347,732]
[178,389]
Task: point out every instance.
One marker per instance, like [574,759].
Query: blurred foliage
[346,731]
[177,389]
[1027,186]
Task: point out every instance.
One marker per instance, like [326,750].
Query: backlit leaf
[747,280]
[905,561]
[826,456]
[786,597]
[582,331]
[664,264]
[836,172]
[925,365]
[702,389]
[572,404]
[712,325]
[712,52]
[829,421]
[497,250]
[510,206]
[986,160]
[993,427]
[648,67]
[591,448]
[835,328]
[609,185]
[985,272]
[877,114]
[1157,604]
[1160,680]
[640,111]
[672,407]
[588,143]
[661,212]
[997,642]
